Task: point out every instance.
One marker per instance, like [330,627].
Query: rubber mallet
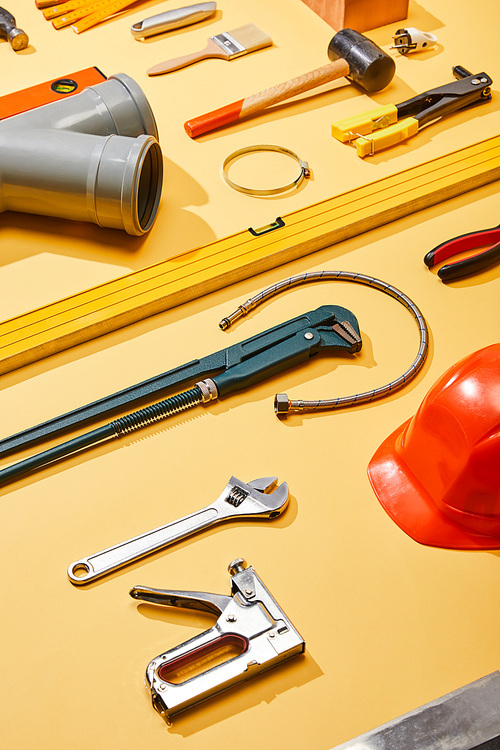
[353,56]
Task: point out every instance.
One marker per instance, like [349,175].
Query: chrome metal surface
[251,617]
[173,19]
[462,720]
[260,498]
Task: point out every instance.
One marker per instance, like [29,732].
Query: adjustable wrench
[257,499]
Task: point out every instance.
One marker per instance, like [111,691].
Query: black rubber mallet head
[369,66]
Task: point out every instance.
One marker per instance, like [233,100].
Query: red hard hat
[438,475]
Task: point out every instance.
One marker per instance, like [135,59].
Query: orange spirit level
[50,91]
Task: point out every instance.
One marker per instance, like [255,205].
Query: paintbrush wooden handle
[263,99]
[211,50]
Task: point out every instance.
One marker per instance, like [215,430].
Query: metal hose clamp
[304,173]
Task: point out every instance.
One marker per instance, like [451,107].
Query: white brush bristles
[251,37]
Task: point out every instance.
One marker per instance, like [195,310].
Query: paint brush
[226,46]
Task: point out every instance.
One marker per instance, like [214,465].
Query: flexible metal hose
[282,404]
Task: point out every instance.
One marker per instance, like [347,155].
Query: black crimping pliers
[390,124]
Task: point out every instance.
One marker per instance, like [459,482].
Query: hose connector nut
[208,390]
[281,404]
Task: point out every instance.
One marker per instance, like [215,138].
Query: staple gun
[253,634]
[385,126]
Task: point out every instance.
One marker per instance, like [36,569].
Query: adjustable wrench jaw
[260,498]
[251,635]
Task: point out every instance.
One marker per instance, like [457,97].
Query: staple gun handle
[199,600]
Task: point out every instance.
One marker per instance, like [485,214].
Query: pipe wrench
[257,499]
[330,328]
[251,635]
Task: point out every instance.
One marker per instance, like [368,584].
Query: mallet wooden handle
[260,101]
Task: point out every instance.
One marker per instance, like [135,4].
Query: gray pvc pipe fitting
[117,105]
[113,181]
[91,157]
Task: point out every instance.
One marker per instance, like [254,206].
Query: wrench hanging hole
[80,570]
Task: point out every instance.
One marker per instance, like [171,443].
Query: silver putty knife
[173,19]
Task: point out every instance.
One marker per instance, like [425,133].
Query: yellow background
[389,624]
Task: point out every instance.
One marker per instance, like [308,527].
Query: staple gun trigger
[260,498]
[252,634]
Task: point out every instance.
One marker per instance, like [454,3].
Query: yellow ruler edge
[134,296]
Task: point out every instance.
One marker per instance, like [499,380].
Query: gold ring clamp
[304,173]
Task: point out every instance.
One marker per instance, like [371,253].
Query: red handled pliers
[489,238]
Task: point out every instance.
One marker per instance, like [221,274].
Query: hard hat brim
[410,506]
